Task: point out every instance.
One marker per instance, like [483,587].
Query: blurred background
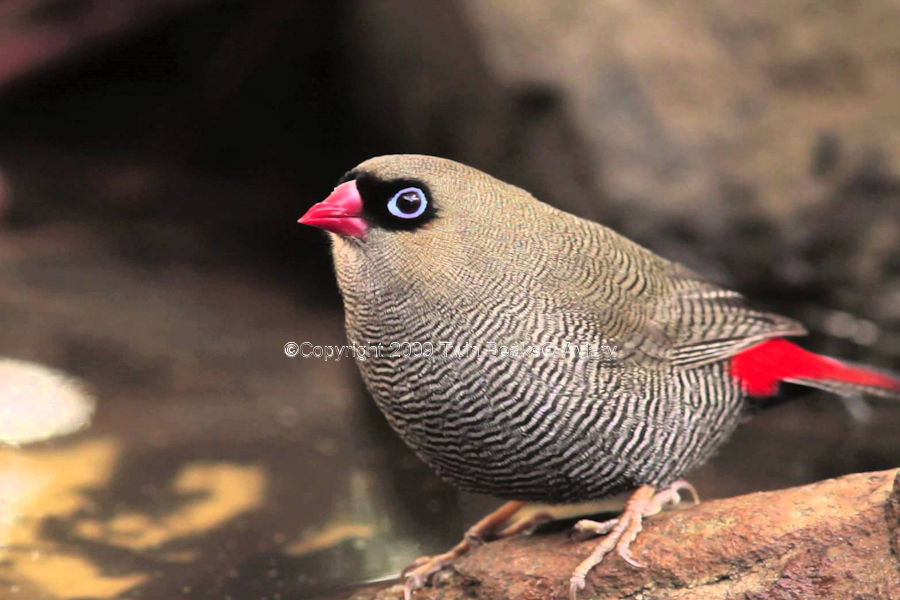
[154,158]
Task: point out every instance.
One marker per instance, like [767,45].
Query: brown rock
[892,515]
[833,539]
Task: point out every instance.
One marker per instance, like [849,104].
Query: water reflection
[216,466]
[38,403]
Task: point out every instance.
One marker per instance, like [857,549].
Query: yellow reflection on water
[37,484]
[223,491]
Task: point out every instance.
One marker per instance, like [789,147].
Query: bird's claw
[620,532]
[586,528]
[418,573]
[419,561]
[626,555]
[576,584]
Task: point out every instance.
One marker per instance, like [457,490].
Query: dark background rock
[754,143]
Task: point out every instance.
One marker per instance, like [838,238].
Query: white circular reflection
[38,403]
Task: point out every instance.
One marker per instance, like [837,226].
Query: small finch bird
[536,356]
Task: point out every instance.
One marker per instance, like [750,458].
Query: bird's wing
[703,322]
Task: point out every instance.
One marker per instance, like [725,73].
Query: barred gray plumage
[429,251]
[545,428]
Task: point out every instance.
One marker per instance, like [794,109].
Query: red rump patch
[762,367]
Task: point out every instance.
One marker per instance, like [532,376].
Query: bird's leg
[620,532]
[527,525]
[417,574]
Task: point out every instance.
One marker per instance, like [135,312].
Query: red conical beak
[339,213]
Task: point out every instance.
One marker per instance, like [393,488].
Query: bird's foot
[420,571]
[622,531]
[671,496]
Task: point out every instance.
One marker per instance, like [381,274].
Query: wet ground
[217,467]
[214,463]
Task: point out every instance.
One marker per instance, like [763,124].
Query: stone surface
[831,539]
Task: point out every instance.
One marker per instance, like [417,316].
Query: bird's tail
[760,369]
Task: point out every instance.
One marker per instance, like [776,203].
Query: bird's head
[431,227]
[412,200]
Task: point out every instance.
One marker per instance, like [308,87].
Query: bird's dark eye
[408,203]
[395,204]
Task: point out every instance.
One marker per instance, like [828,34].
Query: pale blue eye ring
[408,203]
